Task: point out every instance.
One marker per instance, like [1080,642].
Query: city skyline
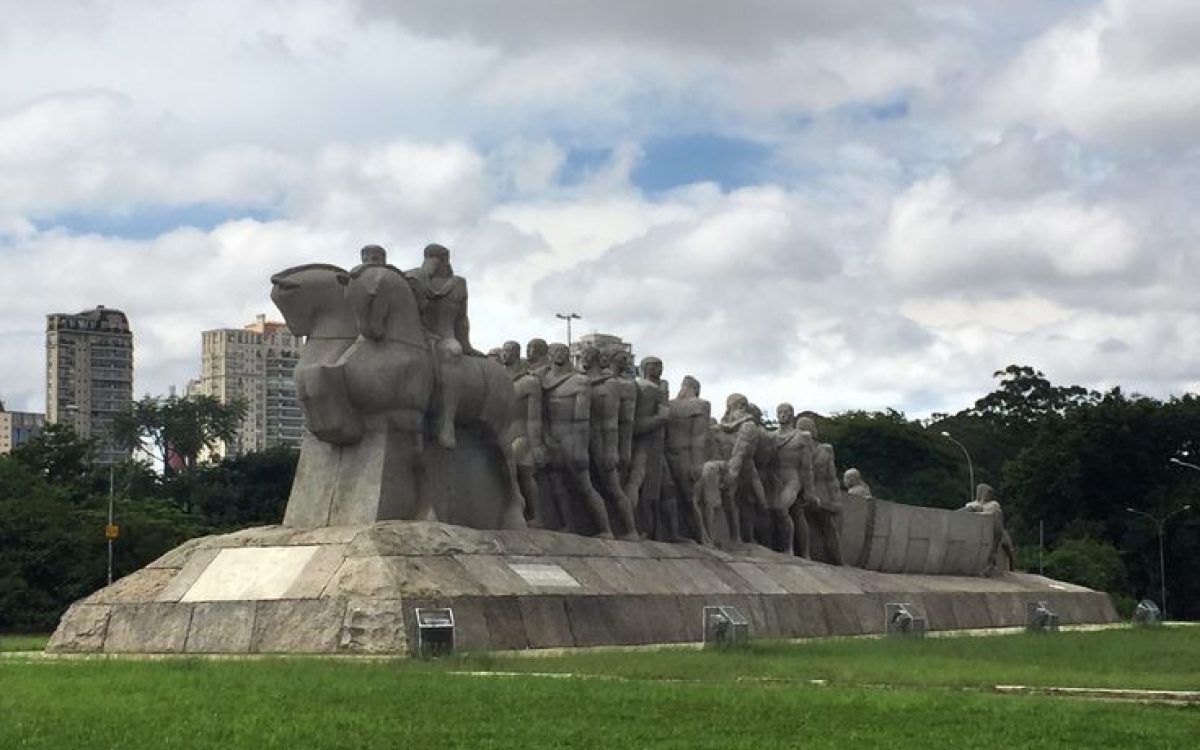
[861,207]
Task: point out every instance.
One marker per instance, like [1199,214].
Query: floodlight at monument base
[1040,618]
[435,631]
[724,626]
[902,618]
[1147,614]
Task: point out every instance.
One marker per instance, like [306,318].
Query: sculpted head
[589,359]
[785,414]
[620,361]
[560,355]
[807,425]
[437,260]
[652,368]
[373,254]
[852,478]
[736,402]
[984,493]
[536,351]
[689,387]
[510,353]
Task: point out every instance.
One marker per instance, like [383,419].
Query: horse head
[313,302]
[382,302]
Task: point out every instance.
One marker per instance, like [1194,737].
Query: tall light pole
[110,530]
[1161,523]
[970,464]
[568,317]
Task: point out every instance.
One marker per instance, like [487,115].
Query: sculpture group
[391,386]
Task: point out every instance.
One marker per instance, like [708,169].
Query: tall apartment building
[256,364]
[16,427]
[89,374]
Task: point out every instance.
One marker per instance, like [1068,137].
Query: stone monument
[423,461]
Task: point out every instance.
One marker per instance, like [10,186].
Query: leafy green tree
[62,457]
[176,431]
[1089,562]
[246,490]
[49,553]
[898,457]
[1024,396]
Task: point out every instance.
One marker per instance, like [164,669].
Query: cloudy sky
[846,205]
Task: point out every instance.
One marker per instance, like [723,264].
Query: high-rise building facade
[89,375]
[16,427]
[256,365]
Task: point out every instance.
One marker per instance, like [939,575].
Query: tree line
[1067,462]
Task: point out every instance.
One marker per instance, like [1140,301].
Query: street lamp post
[568,317]
[970,464]
[1161,523]
[108,530]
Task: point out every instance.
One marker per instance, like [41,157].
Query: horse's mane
[361,269]
[307,267]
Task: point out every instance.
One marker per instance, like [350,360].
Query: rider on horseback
[443,300]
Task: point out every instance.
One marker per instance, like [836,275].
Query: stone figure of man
[855,485]
[686,439]
[443,300]
[649,426]
[567,399]
[748,493]
[985,503]
[625,390]
[372,255]
[529,450]
[824,508]
[537,356]
[765,458]
[602,446]
[793,480]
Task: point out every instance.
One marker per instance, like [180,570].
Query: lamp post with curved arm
[1161,523]
[568,317]
[970,464]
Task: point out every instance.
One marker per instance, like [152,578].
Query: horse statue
[313,303]
[367,386]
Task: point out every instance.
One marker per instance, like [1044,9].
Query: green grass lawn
[671,699]
[22,642]
[1160,658]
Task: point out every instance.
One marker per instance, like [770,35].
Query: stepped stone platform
[354,590]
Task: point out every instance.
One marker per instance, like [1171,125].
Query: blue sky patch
[582,163]
[673,161]
[147,222]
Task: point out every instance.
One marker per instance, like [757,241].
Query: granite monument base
[355,590]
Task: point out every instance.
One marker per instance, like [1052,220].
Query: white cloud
[939,234]
[1130,69]
[945,188]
